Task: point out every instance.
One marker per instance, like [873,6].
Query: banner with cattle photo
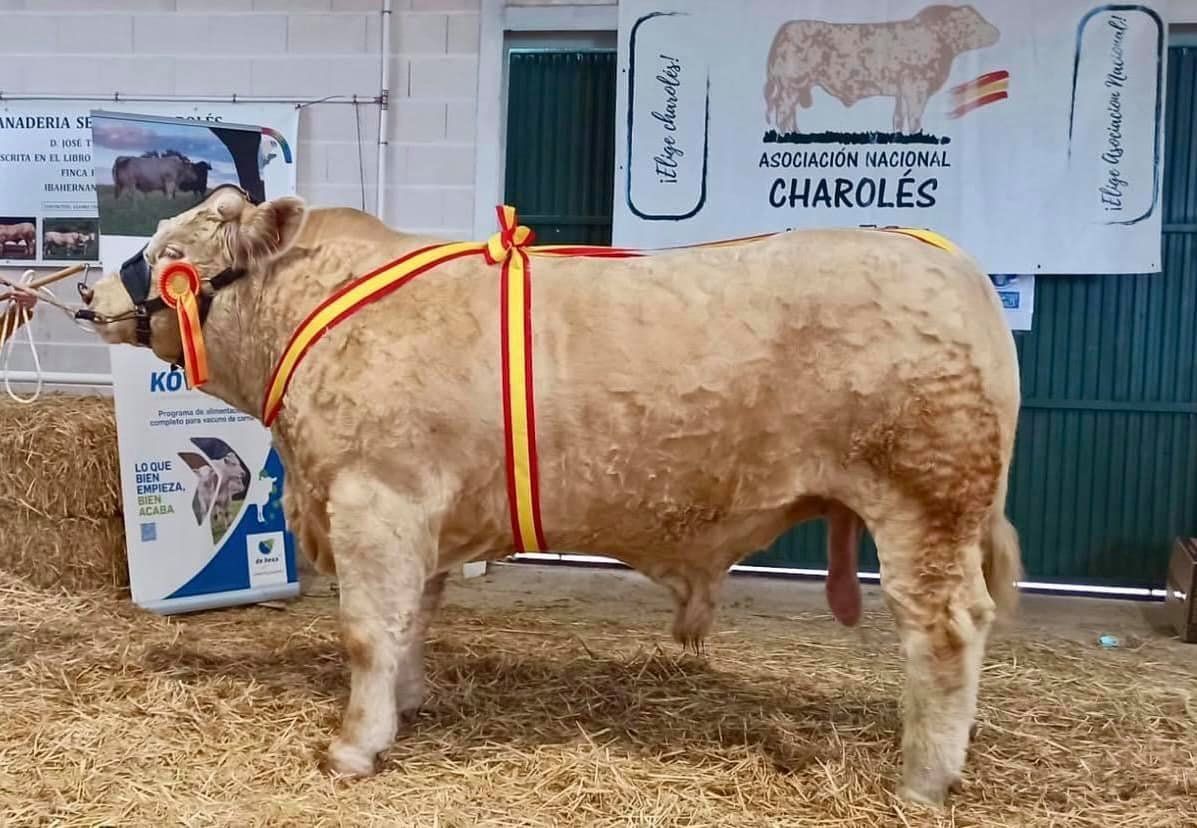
[201,482]
[48,176]
[1028,132]
[47,200]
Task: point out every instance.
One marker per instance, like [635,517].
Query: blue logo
[149,532]
[266,547]
[162,381]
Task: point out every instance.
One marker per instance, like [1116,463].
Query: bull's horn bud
[229,204]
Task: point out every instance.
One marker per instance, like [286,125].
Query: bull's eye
[172,253]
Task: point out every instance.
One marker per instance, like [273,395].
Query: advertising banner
[1028,132]
[201,482]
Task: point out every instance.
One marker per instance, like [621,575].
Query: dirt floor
[557,698]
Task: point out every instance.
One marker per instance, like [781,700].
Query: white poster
[1028,132]
[201,482]
[1017,293]
[47,198]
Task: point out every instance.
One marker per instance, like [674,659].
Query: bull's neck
[243,337]
[251,321]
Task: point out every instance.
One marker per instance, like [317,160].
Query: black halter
[135,276]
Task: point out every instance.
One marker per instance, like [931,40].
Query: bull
[168,174]
[908,60]
[22,233]
[690,406]
[73,241]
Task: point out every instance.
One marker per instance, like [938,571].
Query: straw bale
[563,713]
[72,553]
[58,456]
[60,501]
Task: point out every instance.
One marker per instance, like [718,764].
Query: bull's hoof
[929,794]
[346,760]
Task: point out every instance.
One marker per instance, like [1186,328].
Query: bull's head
[225,237]
[962,28]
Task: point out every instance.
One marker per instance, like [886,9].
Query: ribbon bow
[179,286]
[511,236]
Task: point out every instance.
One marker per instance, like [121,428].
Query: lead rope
[9,333]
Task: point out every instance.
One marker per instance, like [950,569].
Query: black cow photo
[148,170]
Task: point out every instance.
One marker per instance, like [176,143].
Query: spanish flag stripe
[513,508]
[521,462]
[345,302]
[987,78]
[977,103]
[530,394]
[990,88]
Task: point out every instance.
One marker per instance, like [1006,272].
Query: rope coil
[10,323]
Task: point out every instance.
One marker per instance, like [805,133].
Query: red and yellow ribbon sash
[179,286]
[519,419]
[512,249]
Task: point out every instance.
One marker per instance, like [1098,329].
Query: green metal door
[561,143]
[1105,469]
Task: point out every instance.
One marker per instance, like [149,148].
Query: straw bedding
[565,711]
[60,507]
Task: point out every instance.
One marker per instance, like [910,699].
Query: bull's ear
[265,232]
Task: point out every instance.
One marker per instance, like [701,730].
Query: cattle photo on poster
[18,237]
[71,239]
[147,171]
[862,375]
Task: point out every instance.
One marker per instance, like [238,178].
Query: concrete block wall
[290,48]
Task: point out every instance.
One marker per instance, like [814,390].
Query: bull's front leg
[383,547]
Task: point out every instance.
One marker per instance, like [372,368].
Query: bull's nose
[85,293]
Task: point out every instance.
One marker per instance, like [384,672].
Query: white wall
[293,48]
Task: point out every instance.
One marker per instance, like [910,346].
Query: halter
[135,276]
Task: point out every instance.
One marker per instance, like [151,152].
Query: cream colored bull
[691,406]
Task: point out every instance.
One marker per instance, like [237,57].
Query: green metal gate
[561,143]
[1105,469]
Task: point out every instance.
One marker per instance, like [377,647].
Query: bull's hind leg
[695,595]
[409,686]
[943,611]
[382,545]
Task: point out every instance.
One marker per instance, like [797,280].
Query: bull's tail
[1001,561]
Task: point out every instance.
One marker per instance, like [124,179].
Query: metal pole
[117,97]
[62,378]
[383,113]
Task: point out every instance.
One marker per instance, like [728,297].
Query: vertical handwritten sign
[1117,98]
[668,108]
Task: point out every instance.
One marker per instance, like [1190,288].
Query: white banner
[47,198]
[201,482]
[1028,132]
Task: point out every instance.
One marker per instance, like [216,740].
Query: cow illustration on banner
[1029,133]
[905,60]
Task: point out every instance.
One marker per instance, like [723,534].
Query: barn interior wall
[304,49]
